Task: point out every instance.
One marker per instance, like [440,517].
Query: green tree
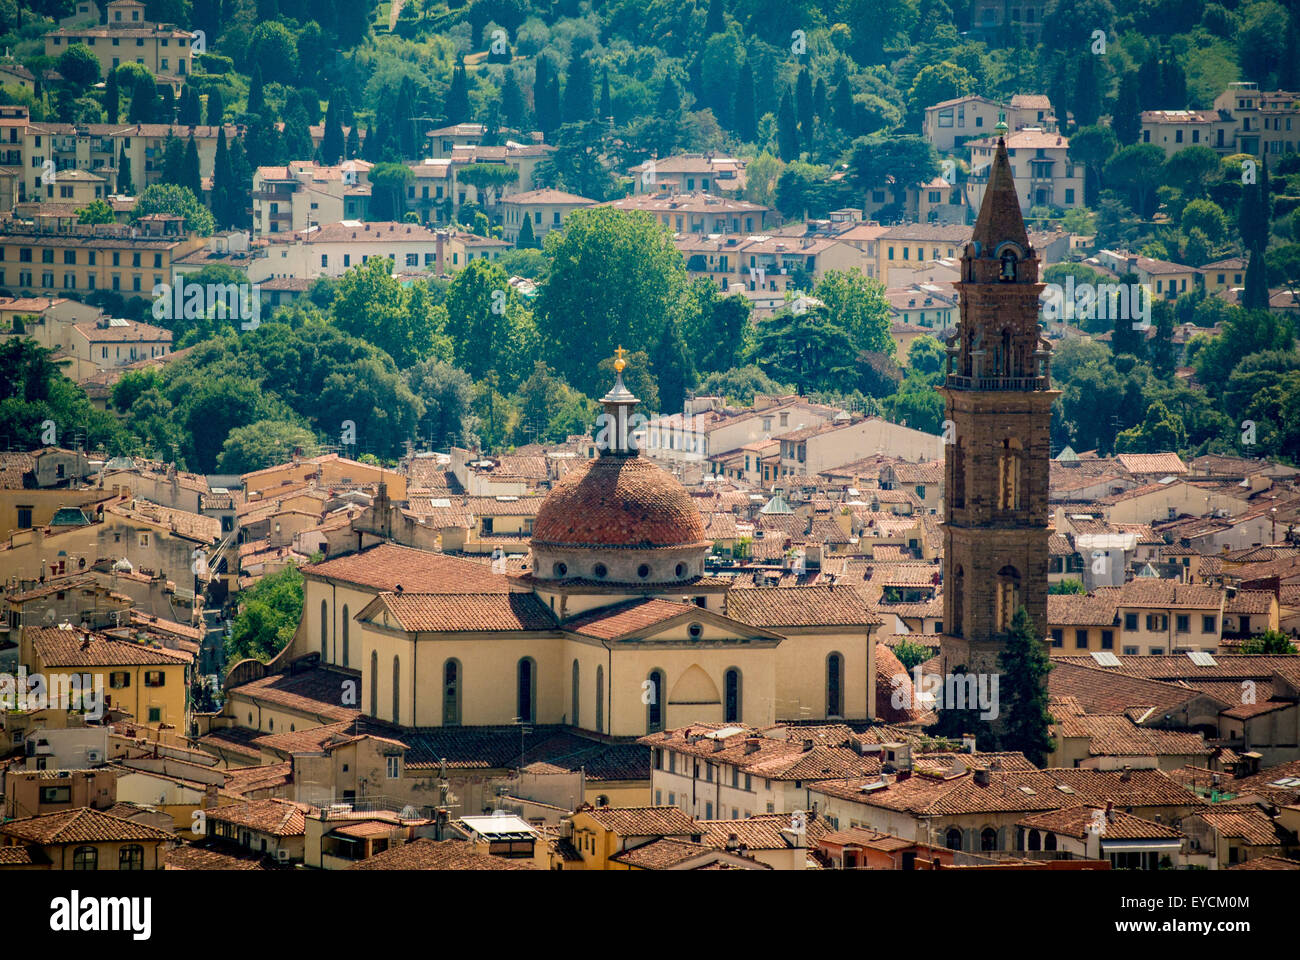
[739,384]
[910,653]
[448,396]
[1272,642]
[124,186]
[1137,170]
[1092,147]
[615,278]
[268,617]
[808,350]
[264,444]
[79,65]
[908,160]
[1068,586]
[388,183]
[97,211]
[175,201]
[787,129]
[143,98]
[857,303]
[1023,691]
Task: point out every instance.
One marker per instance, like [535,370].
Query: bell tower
[998,397]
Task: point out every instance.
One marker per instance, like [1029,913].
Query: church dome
[619,502]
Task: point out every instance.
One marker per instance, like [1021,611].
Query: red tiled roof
[619,502]
[385,566]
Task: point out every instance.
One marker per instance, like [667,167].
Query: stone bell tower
[998,398]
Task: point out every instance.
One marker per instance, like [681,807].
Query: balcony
[1019,384]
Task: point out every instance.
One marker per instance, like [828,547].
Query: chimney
[752,745]
[1110,810]
[733,842]
[807,746]
[981,776]
[1126,775]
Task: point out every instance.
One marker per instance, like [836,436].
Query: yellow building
[149,683]
[129,37]
[84,839]
[36,262]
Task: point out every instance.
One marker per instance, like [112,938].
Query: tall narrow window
[575,686]
[1008,596]
[324,631]
[526,687]
[655,705]
[958,596]
[451,693]
[731,705]
[397,690]
[374,684]
[958,493]
[835,685]
[345,634]
[600,698]
[1010,462]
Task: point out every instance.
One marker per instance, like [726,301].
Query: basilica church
[615,629]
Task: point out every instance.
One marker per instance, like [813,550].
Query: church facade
[998,399]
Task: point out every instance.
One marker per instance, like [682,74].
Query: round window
[599,570]
[559,569]
[643,571]
[695,630]
[681,569]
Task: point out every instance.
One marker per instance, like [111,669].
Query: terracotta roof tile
[816,606]
[82,825]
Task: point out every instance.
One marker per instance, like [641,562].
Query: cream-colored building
[547,208]
[1044,174]
[303,194]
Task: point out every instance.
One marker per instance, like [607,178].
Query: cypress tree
[670,98]
[526,240]
[216,108]
[578,94]
[1022,694]
[803,95]
[189,113]
[331,144]
[606,103]
[256,96]
[1173,82]
[1126,114]
[513,107]
[1254,217]
[457,105]
[540,80]
[1151,82]
[223,184]
[124,186]
[714,22]
[143,96]
[190,175]
[111,97]
[353,148]
[746,117]
[1085,102]
[787,131]
[167,109]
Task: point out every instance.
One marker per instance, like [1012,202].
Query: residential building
[547,208]
[84,839]
[129,37]
[1044,175]
[688,173]
[302,195]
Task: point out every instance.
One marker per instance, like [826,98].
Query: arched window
[958,596]
[345,634]
[85,858]
[953,839]
[451,680]
[654,708]
[1008,596]
[397,690]
[731,704]
[835,685]
[526,690]
[131,857]
[1049,842]
[600,698]
[576,694]
[988,839]
[374,684]
[1035,840]
[1008,273]
[1007,369]
[324,631]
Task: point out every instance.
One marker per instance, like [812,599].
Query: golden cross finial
[619,362]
